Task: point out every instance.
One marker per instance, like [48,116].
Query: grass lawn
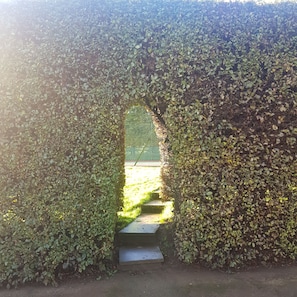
[140,182]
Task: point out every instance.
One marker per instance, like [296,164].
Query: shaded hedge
[221,82]
[234,148]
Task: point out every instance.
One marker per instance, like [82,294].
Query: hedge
[220,80]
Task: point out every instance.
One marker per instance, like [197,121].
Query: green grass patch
[167,214]
[140,182]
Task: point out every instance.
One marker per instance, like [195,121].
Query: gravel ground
[173,280]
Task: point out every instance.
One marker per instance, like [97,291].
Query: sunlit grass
[167,214]
[140,182]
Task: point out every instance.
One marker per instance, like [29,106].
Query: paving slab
[155,203]
[139,228]
[144,224]
[140,255]
[142,231]
[155,206]
[148,218]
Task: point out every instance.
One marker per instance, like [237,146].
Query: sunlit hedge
[62,150]
[221,82]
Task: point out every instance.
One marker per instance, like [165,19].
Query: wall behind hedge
[221,82]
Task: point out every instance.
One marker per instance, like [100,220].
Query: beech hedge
[220,80]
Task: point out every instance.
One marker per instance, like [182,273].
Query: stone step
[142,231]
[155,196]
[143,267]
[140,255]
[137,239]
[155,206]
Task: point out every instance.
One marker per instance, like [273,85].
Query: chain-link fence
[141,140]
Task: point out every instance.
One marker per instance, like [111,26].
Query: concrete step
[140,255]
[155,206]
[142,231]
[137,239]
[155,196]
[143,267]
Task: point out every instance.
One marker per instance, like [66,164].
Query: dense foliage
[221,81]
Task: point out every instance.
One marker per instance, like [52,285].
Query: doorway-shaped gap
[143,160]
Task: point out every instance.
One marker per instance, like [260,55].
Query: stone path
[138,240]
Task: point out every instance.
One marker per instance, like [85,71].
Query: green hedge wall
[234,138]
[221,82]
[62,150]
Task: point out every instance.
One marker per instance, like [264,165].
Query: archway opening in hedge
[146,161]
[146,143]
